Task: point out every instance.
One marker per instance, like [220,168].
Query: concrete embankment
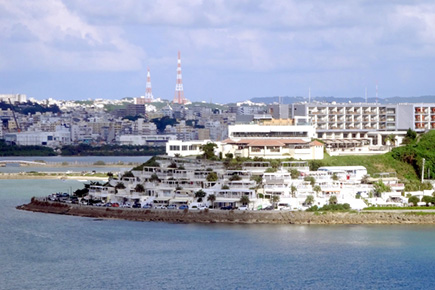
[220,216]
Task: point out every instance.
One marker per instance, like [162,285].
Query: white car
[243,207]
[160,206]
[201,207]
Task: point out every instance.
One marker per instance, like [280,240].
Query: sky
[231,50]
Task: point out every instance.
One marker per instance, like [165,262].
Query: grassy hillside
[374,164]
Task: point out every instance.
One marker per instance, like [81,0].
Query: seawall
[233,216]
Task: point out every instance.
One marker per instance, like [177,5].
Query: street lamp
[422,171]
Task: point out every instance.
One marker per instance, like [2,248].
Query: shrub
[414,200]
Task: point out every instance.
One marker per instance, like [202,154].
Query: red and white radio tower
[179,92]
[148,93]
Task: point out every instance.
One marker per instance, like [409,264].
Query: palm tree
[275,199]
[293,190]
[392,140]
[309,200]
[244,199]
[211,198]
[317,189]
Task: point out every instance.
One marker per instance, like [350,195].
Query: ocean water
[45,251]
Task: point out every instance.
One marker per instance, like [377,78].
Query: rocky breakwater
[233,216]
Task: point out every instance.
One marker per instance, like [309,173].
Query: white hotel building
[367,122]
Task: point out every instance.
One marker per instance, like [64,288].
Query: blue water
[71,159]
[15,168]
[44,251]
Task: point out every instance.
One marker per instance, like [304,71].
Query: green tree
[208,150]
[244,199]
[315,164]
[379,187]
[128,174]
[334,176]
[120,185]
[212,176]
[410,137]
[427,199]
[161,123]
[154,178]
[274,163]
[235,177]
[311,179]
[333,199]
[294,173]
[414,200]
[229,156]
[211,198]
[309,200]
[139,188]
[200,194]
[317,189]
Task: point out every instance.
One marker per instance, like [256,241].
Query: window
[174,148]
[256,149]
[184,147]
[273,148]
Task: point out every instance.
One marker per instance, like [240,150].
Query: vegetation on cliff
[417,150]
[19,150]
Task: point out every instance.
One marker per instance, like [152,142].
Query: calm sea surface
[44,251]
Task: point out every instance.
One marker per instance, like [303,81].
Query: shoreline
[229,217]
[5,176]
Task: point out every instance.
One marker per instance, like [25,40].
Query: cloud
[44,34]
[332,43]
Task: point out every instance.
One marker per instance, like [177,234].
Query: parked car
[243,207]
[109,204]
[160,206]
[171,206]
[268,208]
[137,205]
[148,206]
[184,206]
[201,207]
[228,207]
[115,204]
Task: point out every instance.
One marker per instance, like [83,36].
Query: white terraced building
[165,186]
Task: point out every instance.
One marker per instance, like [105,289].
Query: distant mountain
[393,100]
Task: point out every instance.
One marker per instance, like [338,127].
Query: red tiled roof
[317,143]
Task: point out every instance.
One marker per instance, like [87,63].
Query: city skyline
[231,50]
